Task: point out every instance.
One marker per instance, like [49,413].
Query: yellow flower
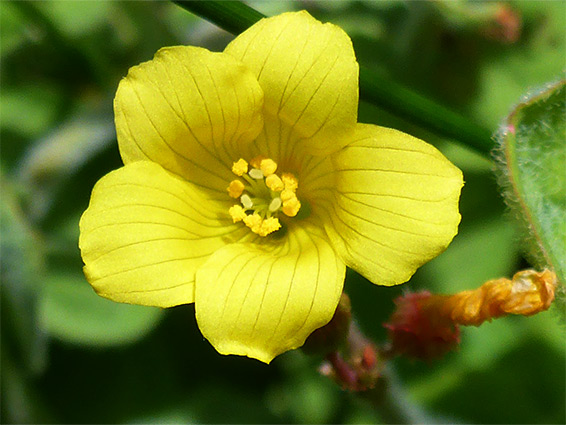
[265,266]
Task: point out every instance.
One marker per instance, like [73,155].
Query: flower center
[262,195]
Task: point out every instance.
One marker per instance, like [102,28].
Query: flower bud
[416,329]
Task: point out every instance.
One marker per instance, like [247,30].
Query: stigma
[262,195]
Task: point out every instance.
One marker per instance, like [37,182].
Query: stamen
[290,181]
[269,225]
[268,166]
[275,204]
[253,221]
[256,162]
[237,213]
[287,194]
[240,167]
[291,207]
[273,181]
[256,173]
[263,195]
[246,201]
[235,189]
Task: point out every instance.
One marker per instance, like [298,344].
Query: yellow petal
[145,233]
[260,300]
[309,74]
[189,110]
[394,205]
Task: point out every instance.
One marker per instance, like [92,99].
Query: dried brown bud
[528,293]
[426,325]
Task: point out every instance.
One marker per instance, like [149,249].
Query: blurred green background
[69,356]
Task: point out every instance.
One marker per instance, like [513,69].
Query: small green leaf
[72,312]
[533,172]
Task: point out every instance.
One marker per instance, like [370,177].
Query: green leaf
[72,312]
[506,71]
[53,160]
[21,402]
[74,20]
[533,163]
[13,30]
[29,109]
[22,264]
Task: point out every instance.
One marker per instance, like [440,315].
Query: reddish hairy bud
[417,330]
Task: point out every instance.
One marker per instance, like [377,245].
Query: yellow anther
[237,213]
[240,167]
[291,207]
[274,182]
[287,195]
[272,194]
[256,162]
[235,189]
[254,222]
[269,225]
[268,166]
[290,181]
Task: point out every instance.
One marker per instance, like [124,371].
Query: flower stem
[235,17]
[363,369]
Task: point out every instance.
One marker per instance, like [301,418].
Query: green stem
[422,111]
[235,17]
[232,16]
[391,401]
[362,369]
